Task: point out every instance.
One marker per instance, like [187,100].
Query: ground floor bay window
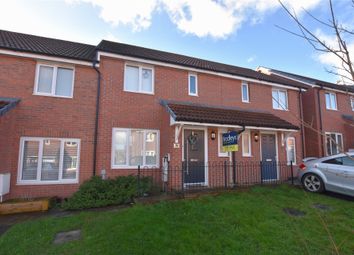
[48,160]
[135,147]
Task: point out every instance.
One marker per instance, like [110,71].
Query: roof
[325,84]
[225,116]
[6,104]
[187,61]
[46,46]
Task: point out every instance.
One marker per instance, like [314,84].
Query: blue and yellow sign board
[229,141]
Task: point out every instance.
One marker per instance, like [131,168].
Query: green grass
[248,222]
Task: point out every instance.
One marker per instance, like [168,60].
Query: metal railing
[188,177]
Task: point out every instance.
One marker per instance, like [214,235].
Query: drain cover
[294,212]
[322,207]
[64,237]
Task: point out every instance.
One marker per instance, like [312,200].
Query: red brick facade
[316,114]
[45,116]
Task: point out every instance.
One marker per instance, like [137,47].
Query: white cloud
[214,18]
[251,59]
[137,13]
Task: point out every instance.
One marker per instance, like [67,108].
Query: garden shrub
[97,192]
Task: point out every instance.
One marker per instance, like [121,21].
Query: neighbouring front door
[194,156]
[269,163]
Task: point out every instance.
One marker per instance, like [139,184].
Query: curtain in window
[151,148]
[30,160]
[146,80]
[120,153]
[136,148]
[45,78]
[50,160]
[70,160]
[132,78]
[64,82]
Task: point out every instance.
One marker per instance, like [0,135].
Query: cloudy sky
[238,32]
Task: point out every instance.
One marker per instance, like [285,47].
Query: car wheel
[313,183]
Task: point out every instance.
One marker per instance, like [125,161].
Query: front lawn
[243,222]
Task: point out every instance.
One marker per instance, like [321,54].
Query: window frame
[336,135]
[247,132]
[40,155]
[196,84]
[352,103]
[330,103]
[140,67]
[244,83]
[55,67]
[287,151]
[286,108]
[127,166]
[221,154]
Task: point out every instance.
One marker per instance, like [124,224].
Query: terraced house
[328,110]
[69,111]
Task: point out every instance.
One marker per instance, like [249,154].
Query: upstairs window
[331,101]
[352,103]
[245,92]
[138,79]
[280,99]
[53,80]
[192,85]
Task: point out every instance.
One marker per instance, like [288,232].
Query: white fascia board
[159,63]
[268,71]
[44,57]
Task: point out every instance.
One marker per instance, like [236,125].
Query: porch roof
[195,113]
[6,104]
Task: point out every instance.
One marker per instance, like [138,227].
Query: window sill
[133,167]
[26,183]
[193,95]
[223,155]
[50,95]
[139,92]
[247,156]
[280,109]
[332,109]
[247,102]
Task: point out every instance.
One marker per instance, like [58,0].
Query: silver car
[334,173]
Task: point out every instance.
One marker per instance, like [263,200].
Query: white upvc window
[334,143]
[192,84]
[139,78]
[331,101]
[134,147]
[48,160]
[246,143]
[54,80]
[245,92]
[280,99]
[291,150]
[352,103]
[221,151]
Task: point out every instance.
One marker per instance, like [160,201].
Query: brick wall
[43,116]
[133,110]
[332,121]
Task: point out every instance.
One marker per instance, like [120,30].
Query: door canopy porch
[6,104]
[205,115]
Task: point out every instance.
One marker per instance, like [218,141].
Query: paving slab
[64,237]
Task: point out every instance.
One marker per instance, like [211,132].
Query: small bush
[97,192]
